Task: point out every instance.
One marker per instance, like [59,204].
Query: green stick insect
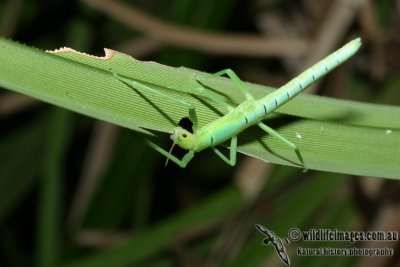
[250,112]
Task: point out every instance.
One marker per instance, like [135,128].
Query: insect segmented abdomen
[309,76]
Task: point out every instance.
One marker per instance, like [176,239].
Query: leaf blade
[86,85]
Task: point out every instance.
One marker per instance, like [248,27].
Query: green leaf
[145,243]
[332,135]
[291,208]
[51,188]
[17,176]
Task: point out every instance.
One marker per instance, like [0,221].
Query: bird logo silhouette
[277,242]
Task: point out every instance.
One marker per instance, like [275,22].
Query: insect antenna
[170,150]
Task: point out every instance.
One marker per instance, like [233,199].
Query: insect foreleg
[232,152]
[137,85]
[181,162]
[236,80]
[272,132]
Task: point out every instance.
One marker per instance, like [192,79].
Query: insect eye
[184,135]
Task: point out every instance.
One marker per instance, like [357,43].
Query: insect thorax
[224,128]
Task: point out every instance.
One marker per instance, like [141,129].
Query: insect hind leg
[272,132]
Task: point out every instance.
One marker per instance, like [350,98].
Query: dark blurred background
[114,203]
